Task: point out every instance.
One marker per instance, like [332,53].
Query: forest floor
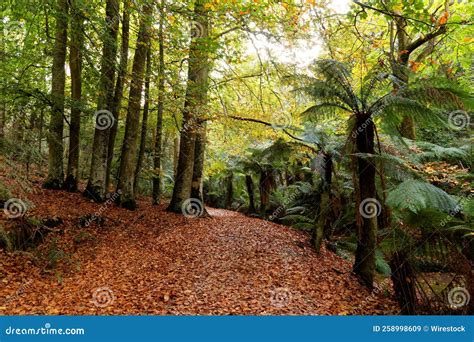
[150,261]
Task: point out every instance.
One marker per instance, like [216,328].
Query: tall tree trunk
[251,192]
[229,190]
[55,136]
[2,124]
[146,106]
[157,175]
[403,277]
[118,93]
[266,185]
[176,143]
[75,62]
[194,107]
[40,134]
[96,187]
[198,169]
[323,221]
[129,146]
[364,264]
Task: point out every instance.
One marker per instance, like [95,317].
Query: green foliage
[414,195]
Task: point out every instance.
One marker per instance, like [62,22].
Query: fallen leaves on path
[153,262]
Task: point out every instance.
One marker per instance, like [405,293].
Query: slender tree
[55,136]
[129,146]
[156,192]
[146,105]
[75,62]
[118,93]
[96,187]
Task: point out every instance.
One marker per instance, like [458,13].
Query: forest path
[154,262]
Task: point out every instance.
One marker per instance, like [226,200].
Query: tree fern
[414,195]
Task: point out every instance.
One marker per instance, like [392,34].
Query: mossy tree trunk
[96,186]
[146,106]
[75,62]
[130,141]
[157,176]
[119,85]
[194,106]
[55,135]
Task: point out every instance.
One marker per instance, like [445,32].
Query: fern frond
[414,195]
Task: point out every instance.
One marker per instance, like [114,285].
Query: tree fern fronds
[414,195]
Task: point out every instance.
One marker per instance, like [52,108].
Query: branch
[422,40]
[284,131]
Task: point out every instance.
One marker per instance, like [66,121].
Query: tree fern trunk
[251,193]
[364,264]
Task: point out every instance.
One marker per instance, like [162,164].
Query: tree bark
[75,62]
[55,136]
[146,105]
[403,277]
[157,153]
[118,93]
[194,107]
[229,190]
[364,264]
[267,184]
[323,221]
[251,192]
[129,146]
[2,124]
[96,187]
